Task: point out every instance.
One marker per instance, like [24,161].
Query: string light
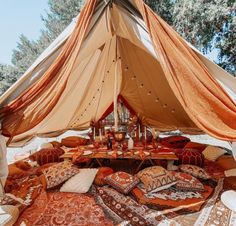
[149,93]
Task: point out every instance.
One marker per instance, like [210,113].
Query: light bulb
[141,85]
[149,93]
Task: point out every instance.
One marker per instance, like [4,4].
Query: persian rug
[65,209]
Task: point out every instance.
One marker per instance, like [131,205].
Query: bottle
[130,143]
[109,143]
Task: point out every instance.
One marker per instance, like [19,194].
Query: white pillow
[8,215]
[81,182]
[45,145]
[230,173]
[228,198]
[212,153]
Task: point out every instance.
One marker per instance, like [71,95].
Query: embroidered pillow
[191,157]
[81,182]
[156,178]
[195,171]
[122,181]
[59,173]
[102,173]
[213,153]
[186,182]
[47,155]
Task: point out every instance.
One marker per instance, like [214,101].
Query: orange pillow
[101,174]
[227,162]
[56,144]
[73,141]
[23,165]
[16,172]
[194,145]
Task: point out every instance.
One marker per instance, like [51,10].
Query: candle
[145,133]
[94,133]
[138,131]
[100,134]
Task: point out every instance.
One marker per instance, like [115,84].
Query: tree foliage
[207,24]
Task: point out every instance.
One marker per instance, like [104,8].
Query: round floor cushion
[191,157]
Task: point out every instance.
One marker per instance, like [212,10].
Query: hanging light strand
[141,85]
[95,94]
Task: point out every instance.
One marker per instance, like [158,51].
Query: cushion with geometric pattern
[156,178]
[191,157]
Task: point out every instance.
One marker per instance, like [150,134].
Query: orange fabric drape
[35,103]
[204,100]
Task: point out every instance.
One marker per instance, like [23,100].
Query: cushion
[101,174]
[122,181]
[47,155]
[40,169]
[230,173]
[74,141]
[56,144]
[194,145]
[226,162]
[45,145]
[228,199]
[15,172]
[59,173]
[191,157]
[81,182]
[195,171]
[175,141]
[181,201]
[156,178]
[186,182]
[8,215]
[212,153]
[23,165]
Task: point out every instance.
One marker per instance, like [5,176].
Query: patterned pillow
[59,173]
[195,171]
[81,182]
[47,155]
[156,178]
[122,181]
[175,141]
[102,173]
[186,182]
[191,157]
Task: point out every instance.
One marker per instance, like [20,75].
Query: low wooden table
[98,155]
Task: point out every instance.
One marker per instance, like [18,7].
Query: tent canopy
[119,48]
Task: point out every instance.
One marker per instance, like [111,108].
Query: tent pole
[117,65]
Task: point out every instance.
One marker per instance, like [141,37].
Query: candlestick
[100,134]
[94,133]
[145,133]
[138,131]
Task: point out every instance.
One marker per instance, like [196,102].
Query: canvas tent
[119,48]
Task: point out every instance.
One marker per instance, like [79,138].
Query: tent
[119,48]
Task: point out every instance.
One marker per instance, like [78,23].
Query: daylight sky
[19,17]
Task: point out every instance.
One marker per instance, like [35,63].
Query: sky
[19,17]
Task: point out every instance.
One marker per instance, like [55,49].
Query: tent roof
[111,51]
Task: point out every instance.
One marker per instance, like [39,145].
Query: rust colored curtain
[34,104]
[204,100]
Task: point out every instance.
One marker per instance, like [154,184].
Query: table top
[129,154]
